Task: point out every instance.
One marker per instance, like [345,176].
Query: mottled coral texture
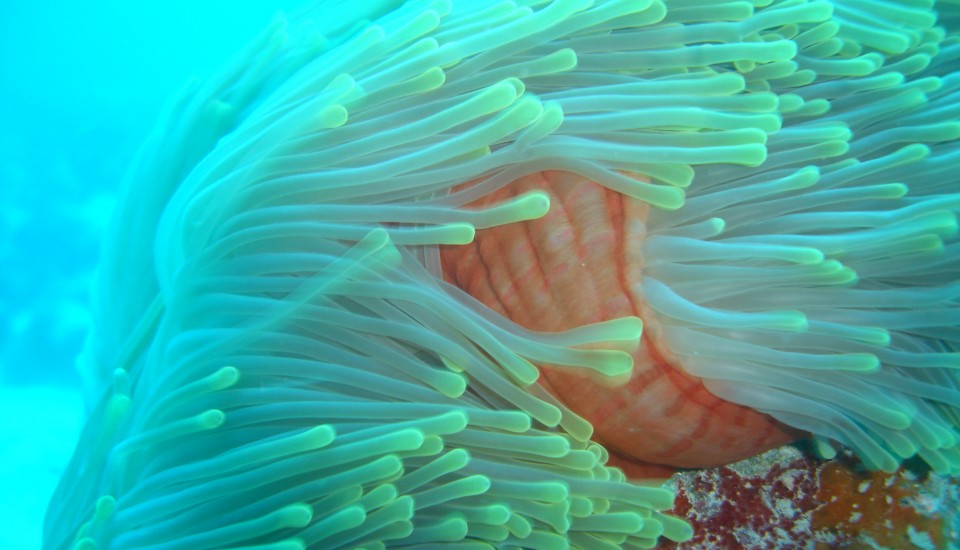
[786,498]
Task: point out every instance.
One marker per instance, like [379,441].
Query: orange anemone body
[578,265]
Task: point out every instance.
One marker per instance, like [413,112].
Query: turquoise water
[80,87]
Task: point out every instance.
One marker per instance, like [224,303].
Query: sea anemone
[290,353]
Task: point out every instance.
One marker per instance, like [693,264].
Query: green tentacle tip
[450,384]
[674,528]
[823,448]
[650,529]
[893,191]
[551,117]
[614,364]
[622,334]
[453,233]
[525,112]
[209,420]
[676,175]
[455,460]
[941,223]
[428,20]
[665,198]
[451,364]
[945,131]
[803,178]
[798,255]
[790,103]
[781,50]
[341,85]
[319,436]
[332,116]
[856,362]
[104,507]
[374,240]
[451,529]
[495,98]
[529,206]
[561,61]
[788,320]
[431,79]
[623,328]
[814,107]
[295,515]
[523,371]
[892,418]
[716,226]
[753,154]
[877,336]
[224,378]
[922,244]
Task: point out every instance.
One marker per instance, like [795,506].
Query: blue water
[81,84]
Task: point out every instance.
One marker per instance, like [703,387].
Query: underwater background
[81,85]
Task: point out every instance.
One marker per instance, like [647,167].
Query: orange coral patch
[889,510]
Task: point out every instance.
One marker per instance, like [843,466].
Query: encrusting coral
[279,363]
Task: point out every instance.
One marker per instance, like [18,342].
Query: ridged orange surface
[580,264]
